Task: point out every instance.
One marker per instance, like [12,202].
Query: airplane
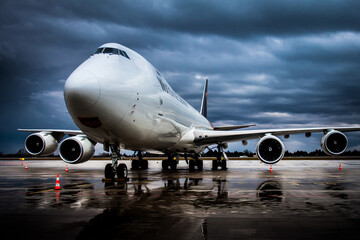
[117,98]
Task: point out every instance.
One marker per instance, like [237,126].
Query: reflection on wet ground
[296,201]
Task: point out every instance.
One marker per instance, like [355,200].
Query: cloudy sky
[273,63]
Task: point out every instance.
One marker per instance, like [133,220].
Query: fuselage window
[99,50]
[111,51]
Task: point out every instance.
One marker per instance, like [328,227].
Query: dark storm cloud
[233,18]
[277,64]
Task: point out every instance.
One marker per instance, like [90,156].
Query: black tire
[144,164]
[214,165]
[135,165]
[191,165]
[199,164]
[173,165]
[223,165]
[109,173]
[165,164]
[122,171]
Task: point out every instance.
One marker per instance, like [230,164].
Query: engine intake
[334,143]
[270,149]
[76,149]
[41,143]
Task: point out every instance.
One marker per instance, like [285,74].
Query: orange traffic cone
[340,166]
[26,166]
[57,184]
[271,168]
[66,169]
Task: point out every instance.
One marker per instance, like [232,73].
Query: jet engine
[76,149]
[41,143]
[334,143]
[270,149]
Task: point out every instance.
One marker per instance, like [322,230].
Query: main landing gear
[221,159]
[195,164]
[139,163]
[170,163]
[173,160]
[113,168]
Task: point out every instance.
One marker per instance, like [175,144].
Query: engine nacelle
[41,143]
[270,149]
[334,143]
[76,149]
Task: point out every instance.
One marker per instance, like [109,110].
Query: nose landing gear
[113,168]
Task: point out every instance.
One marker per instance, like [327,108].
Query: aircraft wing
[205,137]
[69,132]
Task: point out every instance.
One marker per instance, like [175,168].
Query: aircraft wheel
[144,164]
[214,165]
[199,164]
[109,171]
[165,164]
[173,165]
[191,165]
[135,165]
[223,165]
[122,171]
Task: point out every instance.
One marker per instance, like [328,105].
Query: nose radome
[82,90]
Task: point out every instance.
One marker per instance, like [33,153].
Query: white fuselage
[118,100]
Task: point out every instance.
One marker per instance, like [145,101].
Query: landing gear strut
[221,159]
[113,168]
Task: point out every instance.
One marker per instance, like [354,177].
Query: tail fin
[203,109]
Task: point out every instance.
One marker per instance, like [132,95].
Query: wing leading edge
[69,132]
[205,137]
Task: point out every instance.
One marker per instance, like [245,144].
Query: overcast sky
[277,64]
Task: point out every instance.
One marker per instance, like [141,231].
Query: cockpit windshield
[99,50]
[112,51]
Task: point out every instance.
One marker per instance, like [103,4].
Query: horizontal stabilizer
[226,128]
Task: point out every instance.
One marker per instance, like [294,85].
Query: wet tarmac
[298,200]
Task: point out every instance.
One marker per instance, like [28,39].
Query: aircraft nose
[82,90]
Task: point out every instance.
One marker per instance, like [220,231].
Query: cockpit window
[99,50]
[124,54]
[111,50]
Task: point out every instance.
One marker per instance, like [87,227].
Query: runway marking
[80,185]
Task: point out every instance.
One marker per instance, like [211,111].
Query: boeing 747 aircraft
[117,98]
